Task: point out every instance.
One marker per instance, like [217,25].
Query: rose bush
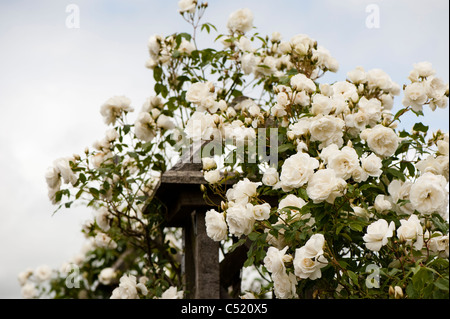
[353,191]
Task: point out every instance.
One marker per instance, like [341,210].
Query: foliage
[362,207]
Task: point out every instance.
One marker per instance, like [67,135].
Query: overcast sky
[53,80]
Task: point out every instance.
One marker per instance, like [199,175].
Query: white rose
[359,175]
[294,215]
[102,218]
[43,273]
[301,44]
[377,234]
[151,103]
[249,63]
[302,98]
[151,63]
[377,78]
[154,46]
[324,185]
[172,293]
[283,99]
[387,101]
[439,244]
[198,91]
[186,47]
[285,285]
[339,105]
[297,170]
[300,128]
[216,227]
[372,108]
[239,135]
[104,241]
[432,164]
[435,88]
[212,177]
[242,191]
[62,165]
[52,178]
[201,126]
[24,275]
[400,191]
[361,212]
[411,230]
[381,140]
[127,288]
[428,194]
[244,44]
[144,127]
[240,219]
[107,275]
[324,59]
[358,75]
[443,147]
[415,96]
[165,122]
[441,103]
[29,291]
[187,6]
[114,107]
[344,162]
[269,66]
[261,212]
[270,177]
[309,259]
[424,69]
[327,129]
[202,94]
[254,110]
[372,165]
[240,21]
[278,110]
[321,105]
[248,295]
[291,201]
[208,163]
[329,152]
[346,90]
[300,82]
[274,260]
[381,204]
[276,36]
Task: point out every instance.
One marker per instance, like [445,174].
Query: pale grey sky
[53,80]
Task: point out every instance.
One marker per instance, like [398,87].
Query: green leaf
[82,178]
[353,277]
[253,236]
[126,128]
[249,261]
[442,283]
[237,244]
[356,226]
[94,192]
[285,147]
[396,173]
[157,73]
[420,127]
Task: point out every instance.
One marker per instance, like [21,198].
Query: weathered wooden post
[204,276]
[180,192]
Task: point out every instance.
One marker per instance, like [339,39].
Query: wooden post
[206,255]
[201,268]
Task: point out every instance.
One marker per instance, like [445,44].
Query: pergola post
[203,276]
[201,260]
